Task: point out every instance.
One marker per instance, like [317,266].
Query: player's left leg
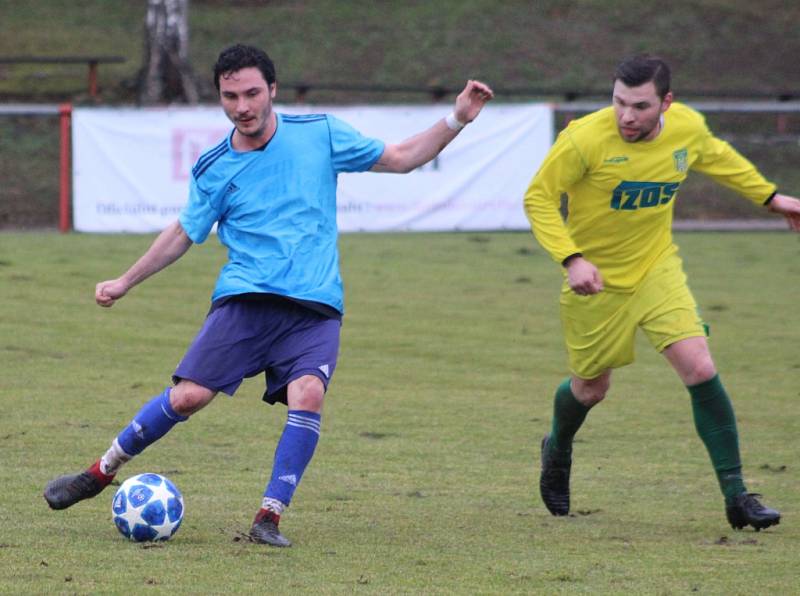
[301,362]
[671,322]
[712,409]
[292,455]
[716,424]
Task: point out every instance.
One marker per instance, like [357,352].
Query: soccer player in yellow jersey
[621,168]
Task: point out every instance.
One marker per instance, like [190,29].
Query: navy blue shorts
[243,337]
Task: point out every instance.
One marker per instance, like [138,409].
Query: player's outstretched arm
[789,207]
[421,148]
[170,245]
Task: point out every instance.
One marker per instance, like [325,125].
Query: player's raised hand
[789,207]
[471,100]
[106,293]
[583,277]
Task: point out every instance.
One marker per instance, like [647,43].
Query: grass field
[425,477]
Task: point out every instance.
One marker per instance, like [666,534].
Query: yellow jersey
[621,195]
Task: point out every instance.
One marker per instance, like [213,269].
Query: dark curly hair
[240,56]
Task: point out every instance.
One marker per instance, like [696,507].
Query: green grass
[424,480]
[551,45]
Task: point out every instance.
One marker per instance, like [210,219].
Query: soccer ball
[147,507]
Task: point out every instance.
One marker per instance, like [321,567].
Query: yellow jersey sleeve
[731,169]
[562,167]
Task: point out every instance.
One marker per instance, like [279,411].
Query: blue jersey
[275,207]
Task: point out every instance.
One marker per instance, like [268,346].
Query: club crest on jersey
[681,159]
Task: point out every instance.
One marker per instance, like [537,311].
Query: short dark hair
[643,68]
[240,56]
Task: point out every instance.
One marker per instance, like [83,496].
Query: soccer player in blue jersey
[270,187]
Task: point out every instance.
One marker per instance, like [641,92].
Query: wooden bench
[91,61]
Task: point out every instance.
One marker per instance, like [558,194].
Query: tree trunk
[166,74]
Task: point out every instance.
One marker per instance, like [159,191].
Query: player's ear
[273,90]
[666,102]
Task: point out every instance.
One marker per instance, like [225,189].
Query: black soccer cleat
[554,482]
[745,509]
[265,531]
[67,490]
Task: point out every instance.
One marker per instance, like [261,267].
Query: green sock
[716,425]
[568,416]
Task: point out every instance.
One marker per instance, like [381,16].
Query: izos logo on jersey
[629,196]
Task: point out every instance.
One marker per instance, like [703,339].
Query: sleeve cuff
[566,261]
[769,198]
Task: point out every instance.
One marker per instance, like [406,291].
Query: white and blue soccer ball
[147,508]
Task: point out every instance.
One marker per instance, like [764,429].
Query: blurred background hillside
[398,52]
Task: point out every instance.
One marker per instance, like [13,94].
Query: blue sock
[294,452]
[151,423]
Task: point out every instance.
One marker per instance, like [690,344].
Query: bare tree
[166,74]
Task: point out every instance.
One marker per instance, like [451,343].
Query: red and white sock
[113,459]
[270,509]
[103,479]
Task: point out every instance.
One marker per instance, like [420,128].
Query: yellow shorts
[600,329]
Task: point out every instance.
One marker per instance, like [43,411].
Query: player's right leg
[573,400]
[204,370]
[599,334]
[152,422]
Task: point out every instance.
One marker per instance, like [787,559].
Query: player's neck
[244,143]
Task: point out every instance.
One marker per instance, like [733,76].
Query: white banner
[131,167]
